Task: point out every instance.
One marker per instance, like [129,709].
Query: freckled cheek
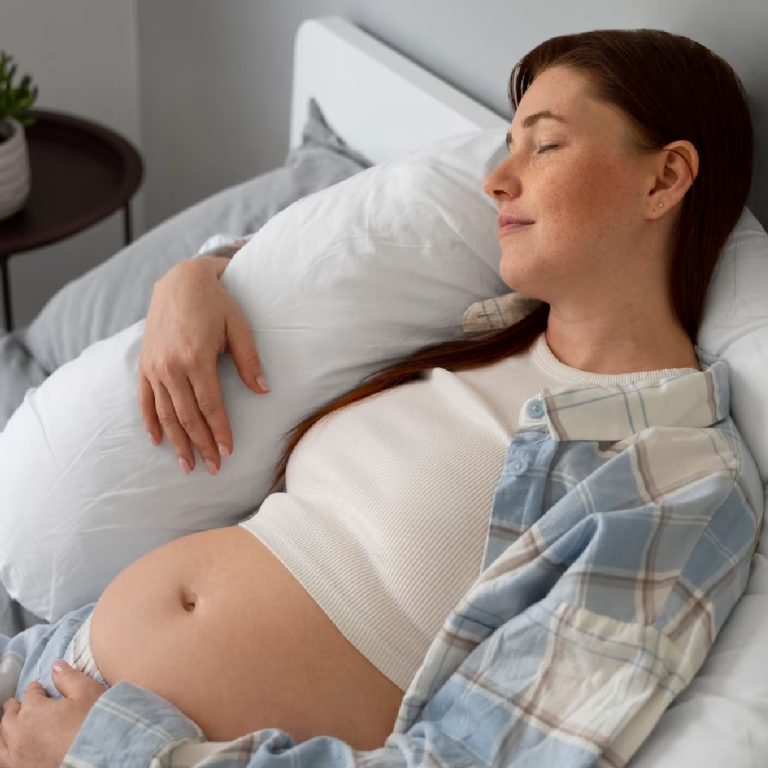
[590,194]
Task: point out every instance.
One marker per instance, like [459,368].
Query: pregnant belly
[214,623]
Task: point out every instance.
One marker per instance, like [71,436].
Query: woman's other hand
[192,320]
[38,731]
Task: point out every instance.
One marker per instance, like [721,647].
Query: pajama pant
[29,656]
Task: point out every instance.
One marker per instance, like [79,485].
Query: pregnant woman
[629,163]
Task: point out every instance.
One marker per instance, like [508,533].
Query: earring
[660,205]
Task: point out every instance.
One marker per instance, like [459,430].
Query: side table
[80,173]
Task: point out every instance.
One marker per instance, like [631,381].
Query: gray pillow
[116,294]
[18,372]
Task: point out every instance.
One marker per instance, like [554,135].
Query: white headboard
[378,101]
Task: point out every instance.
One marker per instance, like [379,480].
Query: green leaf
[14,99]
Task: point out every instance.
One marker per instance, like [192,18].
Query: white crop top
[387,501]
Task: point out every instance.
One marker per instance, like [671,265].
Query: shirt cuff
[127,727]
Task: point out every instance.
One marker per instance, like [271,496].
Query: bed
[720,718]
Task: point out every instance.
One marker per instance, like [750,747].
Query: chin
[514,279]
[522,281]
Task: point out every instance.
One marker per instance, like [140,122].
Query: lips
[509,224]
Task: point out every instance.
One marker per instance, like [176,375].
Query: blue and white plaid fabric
[621,537]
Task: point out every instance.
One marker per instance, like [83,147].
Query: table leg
[6,294]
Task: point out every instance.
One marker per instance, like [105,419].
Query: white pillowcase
[735,328]
[335,287]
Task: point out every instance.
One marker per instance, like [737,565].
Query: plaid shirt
[621,537]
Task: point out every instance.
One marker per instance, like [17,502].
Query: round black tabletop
[80,173]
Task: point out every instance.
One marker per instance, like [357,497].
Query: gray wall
[216,77]
[83,55]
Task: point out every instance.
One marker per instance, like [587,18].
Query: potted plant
[14,157]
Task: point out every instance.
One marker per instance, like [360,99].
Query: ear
[676,166]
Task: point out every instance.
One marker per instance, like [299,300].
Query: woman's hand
[38,731]
[192,320]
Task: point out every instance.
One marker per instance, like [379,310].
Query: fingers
[5,754]
[192,320]
[166,416]
[160,414]
[242,347]
[35,688]
[181,420]
[148,410]
[191,413]
[207,391]
[10,709]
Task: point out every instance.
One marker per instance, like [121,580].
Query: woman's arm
[192,320]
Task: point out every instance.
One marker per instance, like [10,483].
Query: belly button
[188,600]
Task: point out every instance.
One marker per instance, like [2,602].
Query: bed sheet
[14,618]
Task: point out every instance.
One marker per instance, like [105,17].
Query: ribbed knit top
[387,501]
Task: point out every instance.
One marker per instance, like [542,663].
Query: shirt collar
[618,411]
[613,411]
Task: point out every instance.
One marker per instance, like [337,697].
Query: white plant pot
[14,170]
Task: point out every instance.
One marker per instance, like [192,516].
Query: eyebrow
[531,119]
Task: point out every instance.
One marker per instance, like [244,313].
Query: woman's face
[580,181]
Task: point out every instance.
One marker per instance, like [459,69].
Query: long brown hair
[671,88]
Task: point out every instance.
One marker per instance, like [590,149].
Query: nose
[501,182]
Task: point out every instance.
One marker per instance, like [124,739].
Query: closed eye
[546,148]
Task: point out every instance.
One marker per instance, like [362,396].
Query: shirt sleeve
[131,727]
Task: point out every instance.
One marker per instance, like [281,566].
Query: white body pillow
[335,286]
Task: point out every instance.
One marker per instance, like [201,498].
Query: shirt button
[518,466]
[535,409]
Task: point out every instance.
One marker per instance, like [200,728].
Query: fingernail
[58,665]
[152,438]
[184,464]
[262,383]
[224,452]
[212,468]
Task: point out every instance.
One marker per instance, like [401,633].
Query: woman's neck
[613,353]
